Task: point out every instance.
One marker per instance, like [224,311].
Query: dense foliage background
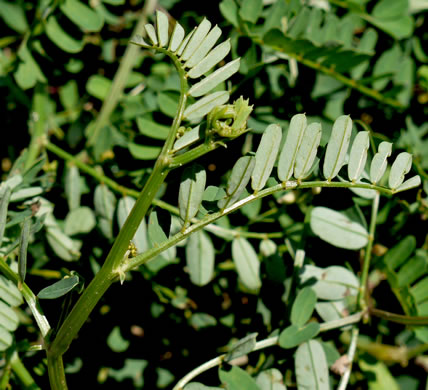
[58,60]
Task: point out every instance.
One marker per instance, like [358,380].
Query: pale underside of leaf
[191,192]
[187,139]
[200,257]
[399,168]
[379,162]
[238,180]
[176,37]
[289,151]
[196,39]
[358,155]
[203,106]
[413,182]
[337,146]
[184,42]
[151,33]
[162,28]
[265,156]
[307,150]
[214,79]
[247,263]
[205,46]
[138,40]
[212,59]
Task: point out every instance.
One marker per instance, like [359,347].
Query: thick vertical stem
[56,373]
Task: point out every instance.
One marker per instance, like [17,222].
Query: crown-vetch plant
[204,121]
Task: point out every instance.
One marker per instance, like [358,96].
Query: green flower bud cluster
[229,120]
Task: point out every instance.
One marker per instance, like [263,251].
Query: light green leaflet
[379,162]
[176,37]
[203,106]
[214,79]
[413,182]
[337,146]
[358,155]
[124,207]
[4,203]
[162,28]
[213,58]
[58,36]
[151,32]
[152,129]
[8,318]
[191,192]
[205,46]
[337,229]
[72,187]
[399,168]
[187,139]
[184,42]
[266,156]
[23,247]
[238,180]
[196,39]
[138,40]
[9,292]
[79,220]
[307,151]
[237,379]
[82,15]
[246,262]
[303,307]
[311,367]
[271,379]
[59,288]
[288,154]
[200,257]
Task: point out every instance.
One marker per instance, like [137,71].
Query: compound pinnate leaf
[203,106]
[358,155]
[213,58]
[191,192]
[311,366]
[241,347]
[399,168]
[337,229]
[379,162]
[307,151]
[265,156]
[151,33]
[337,146]
[237,379]
[303,307]
[246,262]
[292,335]
[59,288]
[238,180]
[176,37]
[205,46]
[200,257]
[196,39]
[162,28]
[289,151]
[214,79]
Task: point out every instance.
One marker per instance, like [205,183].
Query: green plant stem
[399,318]
[269,342]
[338,76]
[56,373]
[351,353]
[22,373]
[121,76]
[368,253]
[29,297]
[112,266]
